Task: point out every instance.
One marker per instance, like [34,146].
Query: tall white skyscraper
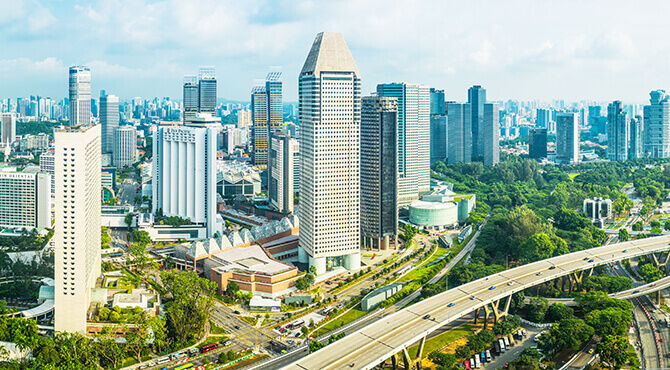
[125,146]
[567,138]
[109,120]
[657,125]
[80,95]
[47,165]
[491,134]
[281,169]
[8,132]
[77,224]
[330,117]
[184,173]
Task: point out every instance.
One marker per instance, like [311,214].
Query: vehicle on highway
[237,327]
[236,312]
[426,317]
[509,284]
[488,356]
[193,351]
[591,260]
[209,347]
[451,304]
[552,267]
[162,360]
[652,285]
[636,291]
[492,287]
[625,251]
[586,258]
[539,273]
[472,298]
[184,366]
[502,345]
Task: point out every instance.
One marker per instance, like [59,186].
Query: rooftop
[329,53]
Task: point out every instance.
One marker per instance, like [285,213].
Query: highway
[374,343]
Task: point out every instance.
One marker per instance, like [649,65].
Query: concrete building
[231,137]
[330,117]
[184,173]
[379,174]
[537,143]
[460,133]
[413,138]
[33,142]
[109,120]
[80,95]
[190,95]
[490,137]
[125,146]
[656,141]
[597,208]
[47,165]
[542,118]
[25,199]
[438,126]
[207,90]
[477,99]
[635,149]
[8,129]
[244,118]
[283,149]
[260,133]
[441,209]
[237,178]
[618,132]
[77,225]
[567,138]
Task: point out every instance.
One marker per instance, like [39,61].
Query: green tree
[557,312]
[650,272]
[315,345]
[129,219]
[537,308]
[613,349]
[445,360]
[109,352]
[638,226]
[610,321]
[623,235]
[566,334]
[159,334]
[223,358]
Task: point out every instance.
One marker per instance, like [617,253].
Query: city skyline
[439,46]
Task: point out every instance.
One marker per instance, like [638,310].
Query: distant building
[80,95]
[281,168]
[190,101]
[542,118]
[237,178]
[438,126]
[207,90]
[8,132]
[243,118]
[379,174]
[537,138]
[491,134]
[125,146]
[33,142]
[597,122]
[441,209]
[597,208]
[460,133]
[109,120]
[567,138]
[25,199]
[477,99]
[260,130]
[47,165]
[657,125]
[231,138]
[635,149]
[618,134]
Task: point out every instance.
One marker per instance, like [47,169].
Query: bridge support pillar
[499,312]
[405,358]
[476,312]
[419,353]
[658,297]
[394,361]
[487,313]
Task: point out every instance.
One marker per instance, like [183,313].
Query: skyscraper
[636,130]
[190,97]
[413,138]
[281,167]
[8,132]
[438,126]
[80,95]
[125,146]
[618,134]
[379,175]
[490,137]
[476,99]
[542,118]
[207,90]
[567,138]
[537,143]
[460,133]
[273,87]
[109,119]
[657,125]
[260,132]
[329,87]
[77,225]
[25,199]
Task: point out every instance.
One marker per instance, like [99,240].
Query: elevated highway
[383,339]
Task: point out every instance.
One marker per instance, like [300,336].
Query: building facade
[281,168]
[438,126]
[77,225]
[657,125]
[567,138]
[476,99]
[25,199]
[47,165]
[490,137]
[413,138]
[635,150]
[207,90]
[260,129]
[8,129]
[109,120]
[537,143]
[618,132]
[125,146]
[329,90]
[460,133]
[379,174]
[80,95]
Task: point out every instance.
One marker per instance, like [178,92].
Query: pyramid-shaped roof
[329,53]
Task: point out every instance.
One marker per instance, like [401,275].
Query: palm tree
[5,261]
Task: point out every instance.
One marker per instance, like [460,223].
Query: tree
[445,360]
[566,334]
[638,226]
[613,349]
[129,219]
[649,272]
[232,288]
[312,269]
[108,351]
[623,235]
[557,312]
[506,325]
[315,345]
[187,311]
[159,334]
[137,337]
[537,308]
[610,321]
[529,359]
[223,358]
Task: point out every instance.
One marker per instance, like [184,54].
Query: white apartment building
[330,117]
[77,225]
[80,95]
[282,155]
[25,199]
[47,166]
[125,146]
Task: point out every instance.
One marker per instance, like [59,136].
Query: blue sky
[600,50]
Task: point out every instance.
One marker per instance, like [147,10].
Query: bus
[184,366]
[208,347]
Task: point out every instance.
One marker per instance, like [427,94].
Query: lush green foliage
[650,272]
[28,241]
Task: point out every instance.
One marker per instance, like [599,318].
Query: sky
[597,50]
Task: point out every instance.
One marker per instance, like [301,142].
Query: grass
[129,361]
[340,321]
[665,308]
[572,175]
[213,339]
[440,341]
[266,322]
[215,329]
[420,271]
[249,319]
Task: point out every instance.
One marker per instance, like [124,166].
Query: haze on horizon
[521,49]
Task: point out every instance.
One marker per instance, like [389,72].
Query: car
[539,273]
[591,260]
[237,327]
[636,291]
[451,304]
[586,258]
[552,267]
[236,312]
[510,283]
[426,317]
[492,287]
[472,298]
[652,285]
[625,251]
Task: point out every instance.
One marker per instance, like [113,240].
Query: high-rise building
[635,149]
[567,138]
[125,146]
[8,132]
[597,122]
[77,224]
[80,95]
[109,119]
[25,199]
[244,118]
[273,87]
[542,118]
[379,174]
[260,132]
[231,137]
[329,87]
[413,138]
[190,97]
[490,137]
[657,125]
[207,90]
[476,99]
[184,174]
[618,134]
[438,126]
[460,134]
[283,149]
[537,143]
[47,165]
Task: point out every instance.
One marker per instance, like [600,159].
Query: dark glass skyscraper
[618,134]
[476,99]
[207,90]
[537,138]
[438,126]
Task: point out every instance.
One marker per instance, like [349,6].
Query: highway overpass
[381,340]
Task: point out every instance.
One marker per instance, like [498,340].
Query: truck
[502,345]
[506,341]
